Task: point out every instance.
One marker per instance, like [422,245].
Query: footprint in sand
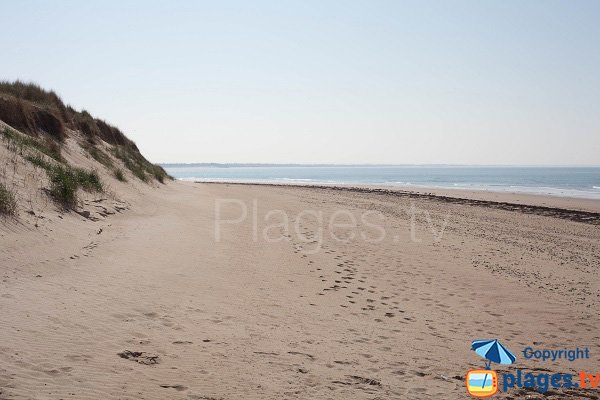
[139,357]
[179,388]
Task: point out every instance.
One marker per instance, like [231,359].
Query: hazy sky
[475,82]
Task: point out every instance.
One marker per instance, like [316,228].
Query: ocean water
[583,182]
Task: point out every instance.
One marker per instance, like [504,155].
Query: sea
[581,182]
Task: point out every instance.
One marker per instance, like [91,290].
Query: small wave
[398,183]
[188,179]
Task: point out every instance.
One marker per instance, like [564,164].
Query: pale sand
[244,319]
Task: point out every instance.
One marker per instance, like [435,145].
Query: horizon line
[235,164]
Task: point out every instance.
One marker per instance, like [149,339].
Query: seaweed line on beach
[588,217]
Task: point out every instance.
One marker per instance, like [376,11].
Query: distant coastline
[250,165]
[309,165]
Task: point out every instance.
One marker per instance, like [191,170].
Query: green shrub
[8,202]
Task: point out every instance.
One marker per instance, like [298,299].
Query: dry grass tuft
[8,201]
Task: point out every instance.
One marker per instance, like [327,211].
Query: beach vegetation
[100,156]
[139,166]
[39,161]
[8,201]
[20,143]
[118,173]
[33,110]
[39,122]
[66,180]
[63,185]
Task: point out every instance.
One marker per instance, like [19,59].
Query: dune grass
[100,156]
[39,160]
[118,173]
[40,122]
[64,179]
[31,109]
[35,111]
[21,143]
[139,166]
[88,180]
[30,117]
[8,201]
[63,185]
[32,93]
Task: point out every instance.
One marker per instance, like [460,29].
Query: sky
[395,82]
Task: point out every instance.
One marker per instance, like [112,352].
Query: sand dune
[147,304]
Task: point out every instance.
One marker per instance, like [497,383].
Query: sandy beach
[309,200]
[205,291]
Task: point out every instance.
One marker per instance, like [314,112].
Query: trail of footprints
[362,293]
[348,281]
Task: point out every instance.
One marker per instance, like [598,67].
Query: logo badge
[482,383]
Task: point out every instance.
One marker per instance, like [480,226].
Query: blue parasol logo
[493,351]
